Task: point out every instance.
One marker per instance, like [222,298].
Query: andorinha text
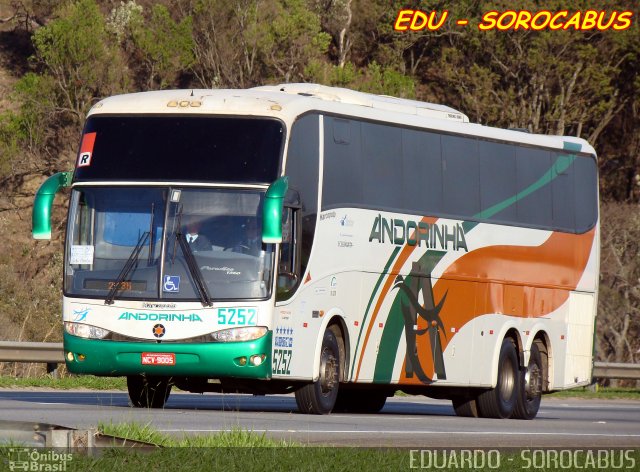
[416,233]
[159,316]
[418,20]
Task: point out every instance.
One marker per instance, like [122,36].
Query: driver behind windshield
[196,240]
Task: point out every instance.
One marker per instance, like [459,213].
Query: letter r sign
[84,159]
[86,149]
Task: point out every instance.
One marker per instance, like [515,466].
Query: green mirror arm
[41,216]
[272,211]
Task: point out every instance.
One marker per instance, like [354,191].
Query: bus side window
[289,262]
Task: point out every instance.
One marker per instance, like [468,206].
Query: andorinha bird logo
[159,330]
[412,287]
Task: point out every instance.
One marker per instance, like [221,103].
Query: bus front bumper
[211,360]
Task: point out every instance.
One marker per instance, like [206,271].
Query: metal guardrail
[52,353]
[17,351]
[613,370]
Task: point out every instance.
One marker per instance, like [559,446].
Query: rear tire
[466,407]
[360,401]
[500,402]
[320,396]
[530,387]
[147,391]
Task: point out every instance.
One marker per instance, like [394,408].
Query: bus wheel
[320,396]
[530,387]
[146,391]
[464,406]
[360,401]
[500,402]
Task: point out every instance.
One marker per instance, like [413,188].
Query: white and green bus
[399,247]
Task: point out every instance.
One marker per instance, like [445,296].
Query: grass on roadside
[599,393]
[239,450]
[65,383]
[232,438]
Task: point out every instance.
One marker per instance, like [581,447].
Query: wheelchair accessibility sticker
[171,283]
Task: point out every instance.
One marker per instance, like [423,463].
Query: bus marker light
[276,107]
[453,330]
[380,325]
[562,336]
[172,104]
[355,323]
[184,104]
[490,331]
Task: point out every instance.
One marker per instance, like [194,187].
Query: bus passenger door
[289,260]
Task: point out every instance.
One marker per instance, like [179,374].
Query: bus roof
[288,101]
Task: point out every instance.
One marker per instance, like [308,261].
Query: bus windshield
[180,148]
[125,243]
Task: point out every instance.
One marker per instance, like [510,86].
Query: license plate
[158,358]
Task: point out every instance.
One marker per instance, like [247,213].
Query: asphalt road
[404,422]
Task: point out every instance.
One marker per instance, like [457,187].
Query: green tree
[24,132]
[618,322]
[78,53]
[227,37]
[164,46]
[372,79]
[247,42]
[336,17]
[294,38]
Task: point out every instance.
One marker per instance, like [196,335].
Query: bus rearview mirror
[41,216]
[272,211]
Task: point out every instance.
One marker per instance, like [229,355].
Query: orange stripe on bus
[518,281]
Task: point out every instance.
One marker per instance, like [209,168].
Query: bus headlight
[246,333]
[85,330]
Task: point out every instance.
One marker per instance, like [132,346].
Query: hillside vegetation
[57,58]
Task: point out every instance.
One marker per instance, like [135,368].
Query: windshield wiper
[201,287]
[151,233]
[128,266]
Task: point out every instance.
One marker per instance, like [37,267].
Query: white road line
[355,431]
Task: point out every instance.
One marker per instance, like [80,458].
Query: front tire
[147,391]
[500,402]
[530,387]
[320,396]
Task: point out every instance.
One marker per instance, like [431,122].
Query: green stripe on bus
[563,162]
[373,294]
[568,146]
[393,329]
[394,325]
